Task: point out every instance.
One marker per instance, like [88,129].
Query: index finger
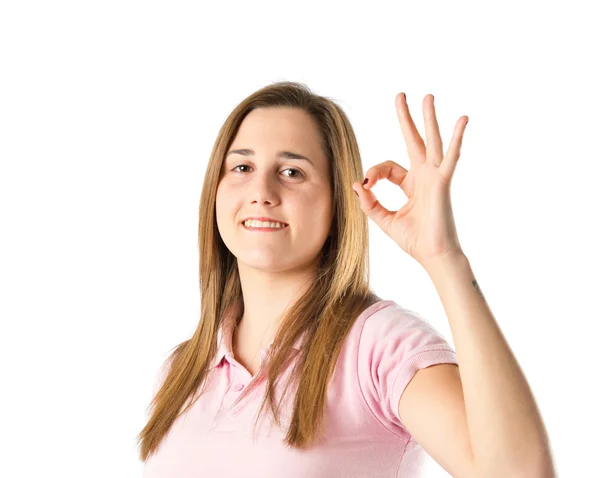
[386,170]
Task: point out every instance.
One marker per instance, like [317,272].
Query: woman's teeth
[258,224]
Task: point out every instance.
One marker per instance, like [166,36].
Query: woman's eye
[240,166]
[294,169]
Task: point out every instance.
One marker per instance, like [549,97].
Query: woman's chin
[264,262]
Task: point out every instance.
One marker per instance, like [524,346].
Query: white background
[108,114]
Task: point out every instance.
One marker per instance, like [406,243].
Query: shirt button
[238,387]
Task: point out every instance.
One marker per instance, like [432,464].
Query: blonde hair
[324,314]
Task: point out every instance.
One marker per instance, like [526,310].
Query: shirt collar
[225,337]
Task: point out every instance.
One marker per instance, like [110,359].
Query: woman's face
[262,181]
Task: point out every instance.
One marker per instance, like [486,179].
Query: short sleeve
[395,343]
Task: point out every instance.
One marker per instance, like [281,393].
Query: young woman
[357,386]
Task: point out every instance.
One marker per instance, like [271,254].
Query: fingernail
[365,181]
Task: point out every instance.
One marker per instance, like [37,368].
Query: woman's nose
[264,188]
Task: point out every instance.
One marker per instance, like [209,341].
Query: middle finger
[432,132]
[415,146]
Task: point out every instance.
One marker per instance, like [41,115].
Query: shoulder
[388,319]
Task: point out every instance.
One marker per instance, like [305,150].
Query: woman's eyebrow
[280,154]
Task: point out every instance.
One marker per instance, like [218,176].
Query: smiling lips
[264,229]
[263,226]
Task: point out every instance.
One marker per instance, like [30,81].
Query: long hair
[323,315]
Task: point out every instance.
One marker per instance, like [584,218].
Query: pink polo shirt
[364,434]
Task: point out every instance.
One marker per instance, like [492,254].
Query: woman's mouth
[261,226]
